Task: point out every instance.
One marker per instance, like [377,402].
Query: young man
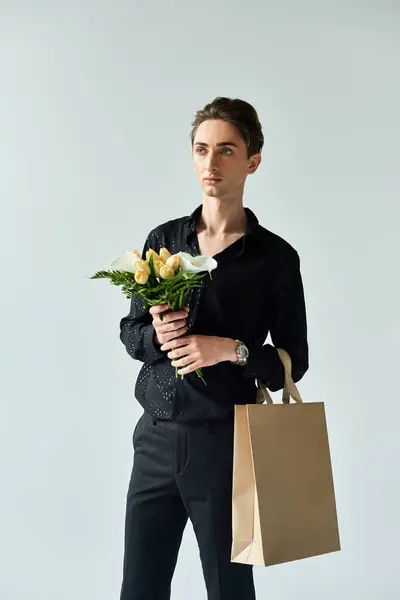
[183,442]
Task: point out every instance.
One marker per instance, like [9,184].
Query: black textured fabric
[256,289]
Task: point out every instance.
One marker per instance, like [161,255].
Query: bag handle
[289,390]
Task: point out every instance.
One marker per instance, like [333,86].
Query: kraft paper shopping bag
[283,499]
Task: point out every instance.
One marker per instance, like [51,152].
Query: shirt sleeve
[136,329]
[288,329]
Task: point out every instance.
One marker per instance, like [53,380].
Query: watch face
[243,351]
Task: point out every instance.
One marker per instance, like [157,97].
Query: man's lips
[212,179]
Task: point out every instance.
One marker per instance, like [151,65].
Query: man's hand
[192,352]
[172,326]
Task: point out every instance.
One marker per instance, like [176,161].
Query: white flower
[125,262]
[196,264]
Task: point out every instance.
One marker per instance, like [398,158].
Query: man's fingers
[173,335]
[170,327]
[159,308]
[177,333]
[175,341]
[170,317]
[165,337]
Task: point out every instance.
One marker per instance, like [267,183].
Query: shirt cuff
[264,363]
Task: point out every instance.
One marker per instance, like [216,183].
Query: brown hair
[239,113]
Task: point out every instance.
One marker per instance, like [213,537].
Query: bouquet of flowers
[162,278]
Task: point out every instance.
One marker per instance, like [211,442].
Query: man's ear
[254,162]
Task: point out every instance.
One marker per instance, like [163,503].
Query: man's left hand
[192,352]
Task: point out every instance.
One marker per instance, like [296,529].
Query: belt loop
[207,426]
[154,421]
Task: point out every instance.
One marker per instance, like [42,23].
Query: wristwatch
[242,353]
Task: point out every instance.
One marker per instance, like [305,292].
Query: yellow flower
[150,252]
[166,272]
[142,266]
[173,262]
[158,264]
[164,254]
[141,277]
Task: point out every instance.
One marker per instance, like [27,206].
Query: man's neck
[221,218]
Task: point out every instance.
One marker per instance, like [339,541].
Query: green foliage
[171,291]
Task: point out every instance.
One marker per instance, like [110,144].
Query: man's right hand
[172,326]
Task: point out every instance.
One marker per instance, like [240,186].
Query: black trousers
[181,471]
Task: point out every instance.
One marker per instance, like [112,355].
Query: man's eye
[222,150]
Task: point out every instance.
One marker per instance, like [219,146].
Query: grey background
[96,104]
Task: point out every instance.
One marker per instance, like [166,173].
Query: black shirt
[255,289]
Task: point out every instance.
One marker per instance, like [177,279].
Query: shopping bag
[283,499]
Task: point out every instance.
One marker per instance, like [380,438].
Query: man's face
[219,151]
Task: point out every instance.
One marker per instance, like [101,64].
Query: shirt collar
[190,221]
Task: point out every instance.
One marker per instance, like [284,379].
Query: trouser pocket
[136,430]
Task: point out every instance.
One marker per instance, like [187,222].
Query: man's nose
[211,165]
